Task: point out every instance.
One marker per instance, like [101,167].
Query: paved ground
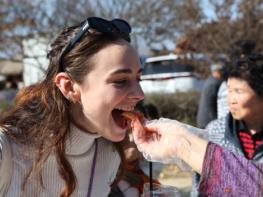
[174,176]
[182,181]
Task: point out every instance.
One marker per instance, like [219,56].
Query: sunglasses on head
[115,27]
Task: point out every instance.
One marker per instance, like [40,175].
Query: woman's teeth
[125,108]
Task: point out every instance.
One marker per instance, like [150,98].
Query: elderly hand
[161,140]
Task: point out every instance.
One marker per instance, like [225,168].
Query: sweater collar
[79,141]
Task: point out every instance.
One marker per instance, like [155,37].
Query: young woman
[61,137]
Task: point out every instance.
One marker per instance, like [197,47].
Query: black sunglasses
[115,27]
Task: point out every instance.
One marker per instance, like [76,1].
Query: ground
[172,175]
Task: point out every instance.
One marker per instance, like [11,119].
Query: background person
[151,111]
[62,136]
[207,107]
[221,102]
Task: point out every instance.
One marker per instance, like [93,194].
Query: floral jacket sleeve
[227,174]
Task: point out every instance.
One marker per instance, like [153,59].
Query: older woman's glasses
[115,27]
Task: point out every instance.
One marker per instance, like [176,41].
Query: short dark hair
[250,69]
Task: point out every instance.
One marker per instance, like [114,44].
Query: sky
[208,9]
[209,12]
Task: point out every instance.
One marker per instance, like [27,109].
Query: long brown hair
[40,118]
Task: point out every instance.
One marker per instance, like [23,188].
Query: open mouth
[119,119]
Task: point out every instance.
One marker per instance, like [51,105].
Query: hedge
[181,106]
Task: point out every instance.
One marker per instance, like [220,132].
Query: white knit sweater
[80,151]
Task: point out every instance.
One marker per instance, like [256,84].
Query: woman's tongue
[119,119]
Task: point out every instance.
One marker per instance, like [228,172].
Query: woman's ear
[67,87]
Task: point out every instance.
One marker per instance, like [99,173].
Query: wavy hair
[40,118]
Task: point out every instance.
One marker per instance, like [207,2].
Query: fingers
[138,131]
[152,127]
[164,126]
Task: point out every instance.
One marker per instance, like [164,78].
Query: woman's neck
[78,118]
[255,125]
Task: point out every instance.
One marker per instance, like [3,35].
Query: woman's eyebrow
[125,70]
[120,71]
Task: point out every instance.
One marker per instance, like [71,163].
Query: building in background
[34,61]
[11,72]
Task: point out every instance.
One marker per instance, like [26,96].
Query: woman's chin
[115,132]
[118,137]
[119,133]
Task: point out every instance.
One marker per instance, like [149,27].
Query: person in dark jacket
[207,108]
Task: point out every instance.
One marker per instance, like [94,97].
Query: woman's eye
[121,82]
[239,91]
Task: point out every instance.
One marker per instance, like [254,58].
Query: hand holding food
[134,117]
[158,140]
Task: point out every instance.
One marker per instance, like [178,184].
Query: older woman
[223,173]
[235,166]
[241,131]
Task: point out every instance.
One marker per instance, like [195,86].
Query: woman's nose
[231,98]
[136,92]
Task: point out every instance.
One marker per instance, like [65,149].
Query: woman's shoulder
[217,126]
[4,143]
[216,130]
[5,147]
[5,162]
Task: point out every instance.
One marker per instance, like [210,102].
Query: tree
[154,21]
[235,20]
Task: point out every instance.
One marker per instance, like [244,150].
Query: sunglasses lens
[100,24]
[122,25]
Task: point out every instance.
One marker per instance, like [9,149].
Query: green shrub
[4,105]
[181,106]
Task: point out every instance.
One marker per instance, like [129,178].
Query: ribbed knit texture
[80,150]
